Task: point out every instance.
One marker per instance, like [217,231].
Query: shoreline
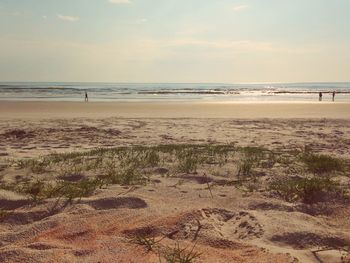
[239,110]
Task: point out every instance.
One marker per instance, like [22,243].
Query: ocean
[127,92]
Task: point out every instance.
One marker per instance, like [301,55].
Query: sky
[182,41]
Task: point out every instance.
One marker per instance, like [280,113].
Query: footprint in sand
[231,225]
[212,224]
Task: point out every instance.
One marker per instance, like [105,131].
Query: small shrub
[72,190]
[70,169]
[188,161]
[245,167]
[37,190]
[115,173]
[321,163]
[255,157]
[180,255]
[36,166]
[254,154]
[308,190]
[128,176]
[148,242]
[151,158]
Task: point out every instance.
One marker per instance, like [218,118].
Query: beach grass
[307,190]
[322,163]
[177,254]
[78,174]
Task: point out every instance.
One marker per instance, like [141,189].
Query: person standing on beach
[320,96]
[86,97]
[333,95]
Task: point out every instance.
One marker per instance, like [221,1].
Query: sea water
[125,92]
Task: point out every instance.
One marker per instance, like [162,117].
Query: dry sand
[231,227]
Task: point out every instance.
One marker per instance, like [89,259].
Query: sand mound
[27,217]
[72,177]
[44,246]
[27,232]
[10,200]
[18,255]
[197,179]
[118,202]
[211,226]
[324,208]
[239,225]
[17,134]
[266,206]
[302,240]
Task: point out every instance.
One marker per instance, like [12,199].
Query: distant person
[333,95]
[86,97]
[320,96]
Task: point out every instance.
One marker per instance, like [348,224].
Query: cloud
[239,8]
[68,18]
[119,1]
[44,16]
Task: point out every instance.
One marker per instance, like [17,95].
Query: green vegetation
[72,190]
[177,254]
[150,243]
[39,190]
[308,190]
[188,160]
[322,164]
[253,157]
[78,174]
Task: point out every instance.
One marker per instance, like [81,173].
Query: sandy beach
[251,110]
[218,209]
[136,131]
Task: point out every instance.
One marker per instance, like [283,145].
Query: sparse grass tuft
[40,190]
[150,243]
[81,173]
[322,164]
[37,166]
[73,190]
[37,190]
[188,160]
[245,167]
[151,158]
[308,190]
[181,255]
[255,157]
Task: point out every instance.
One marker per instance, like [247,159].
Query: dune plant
[73,190]
[188,161]
[37,166]
[150,158]
[308,190]
[322,163]
[150,243]
[37,190]
[177,254]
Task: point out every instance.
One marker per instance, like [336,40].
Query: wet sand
[249,110]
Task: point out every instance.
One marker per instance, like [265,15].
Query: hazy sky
[175,40]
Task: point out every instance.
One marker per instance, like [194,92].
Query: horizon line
[221,83]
